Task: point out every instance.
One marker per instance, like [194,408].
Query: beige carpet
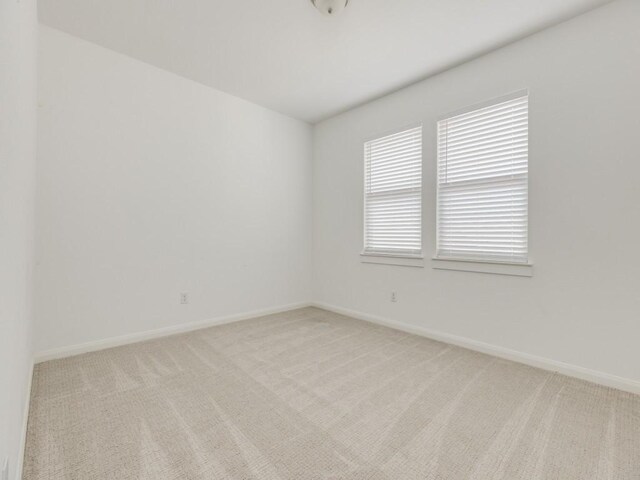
[313,395]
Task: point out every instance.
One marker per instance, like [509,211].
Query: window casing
[393,194]
[482,212]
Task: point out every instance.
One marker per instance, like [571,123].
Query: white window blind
[393,194]
[483,183]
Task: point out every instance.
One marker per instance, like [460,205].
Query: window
[483,183]
[393,194]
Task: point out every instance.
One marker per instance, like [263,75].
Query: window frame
[479,265]
[383,258]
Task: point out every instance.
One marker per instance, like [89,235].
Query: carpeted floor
[313,395]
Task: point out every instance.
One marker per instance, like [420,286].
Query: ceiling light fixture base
[330,7]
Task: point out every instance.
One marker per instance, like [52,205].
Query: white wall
[582,306]
[150,185]
[18,37]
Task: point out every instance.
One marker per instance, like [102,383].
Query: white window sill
[397,260]
[497,268]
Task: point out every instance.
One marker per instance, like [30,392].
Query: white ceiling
[285,55]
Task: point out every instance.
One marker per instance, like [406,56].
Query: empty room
[319,240]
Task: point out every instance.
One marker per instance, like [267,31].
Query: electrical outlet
[184,298]
[394,297]
[5,470]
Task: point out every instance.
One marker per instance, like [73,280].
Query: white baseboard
[25,420]
[582,373]
[575,371]
[72,350]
